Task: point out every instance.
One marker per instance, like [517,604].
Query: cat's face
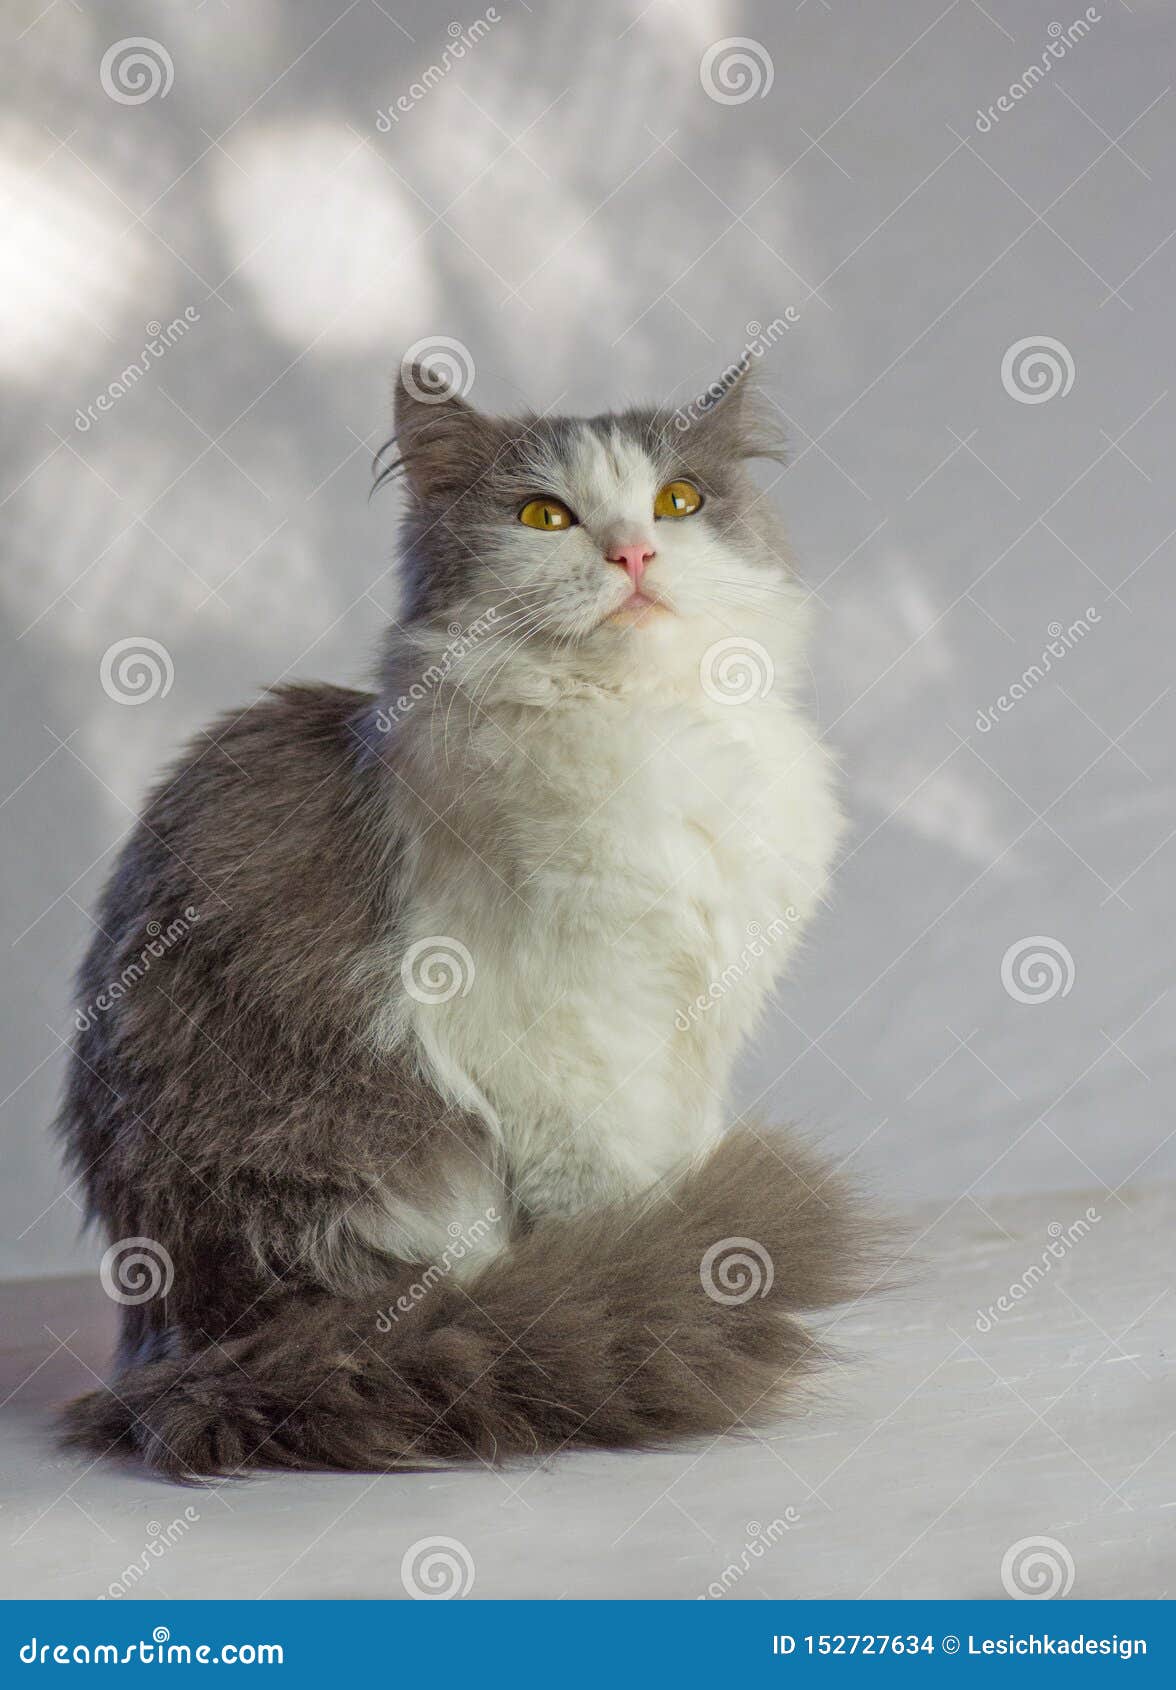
[631,527]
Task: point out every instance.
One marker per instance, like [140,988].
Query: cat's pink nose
[633,558]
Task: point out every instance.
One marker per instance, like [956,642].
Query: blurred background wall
[261,205]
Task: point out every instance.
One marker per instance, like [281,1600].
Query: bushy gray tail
[626,1328]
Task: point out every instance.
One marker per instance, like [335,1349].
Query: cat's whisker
[504,631]
[479,693]
[500,627]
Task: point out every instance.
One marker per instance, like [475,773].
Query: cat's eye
[677,498]
[550,514]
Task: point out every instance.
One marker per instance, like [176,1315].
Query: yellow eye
[546,513]
[677,498]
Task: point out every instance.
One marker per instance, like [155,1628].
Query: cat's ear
[738,418]
[437,432]
[733,388]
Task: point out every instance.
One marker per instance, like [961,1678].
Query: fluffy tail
[625,1328]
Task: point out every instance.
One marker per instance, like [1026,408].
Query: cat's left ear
[437,432]
[737,417]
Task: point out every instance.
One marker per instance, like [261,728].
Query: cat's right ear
[436,432]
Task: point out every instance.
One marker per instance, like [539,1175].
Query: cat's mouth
[639,607]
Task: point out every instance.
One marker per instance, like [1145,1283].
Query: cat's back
[296,752]
[260,834]
[215,1003]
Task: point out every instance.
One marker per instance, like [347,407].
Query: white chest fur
[624,880]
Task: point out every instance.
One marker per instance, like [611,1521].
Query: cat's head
[607,541]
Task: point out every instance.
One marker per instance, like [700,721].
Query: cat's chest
[609,877]
[672,806]
[625,853]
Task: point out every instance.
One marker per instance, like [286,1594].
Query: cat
[421,1114]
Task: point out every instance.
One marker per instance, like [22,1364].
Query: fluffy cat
[423,1109]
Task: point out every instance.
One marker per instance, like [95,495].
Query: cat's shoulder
[284,785]
[293,736]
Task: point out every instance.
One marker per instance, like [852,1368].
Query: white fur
[605,839]
[463,1230]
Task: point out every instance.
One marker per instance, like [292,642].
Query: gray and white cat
[425,1109]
